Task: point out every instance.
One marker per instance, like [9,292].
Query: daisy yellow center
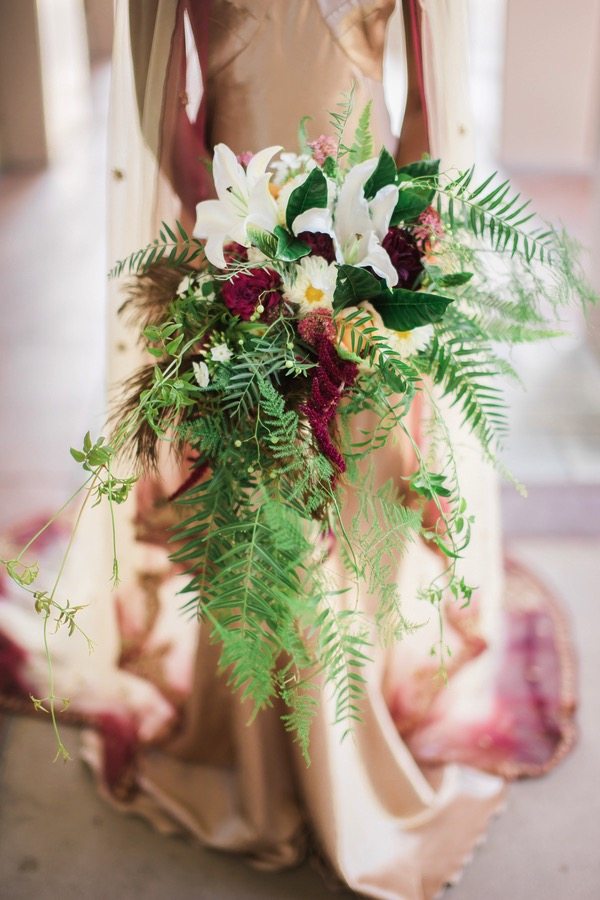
[403,335]
[313,294]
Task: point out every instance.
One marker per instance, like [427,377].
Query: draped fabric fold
[394,810]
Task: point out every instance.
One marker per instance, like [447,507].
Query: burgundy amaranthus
[332,376]
[247,290]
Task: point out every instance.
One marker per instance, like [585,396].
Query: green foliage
[404,310]
[463,369]
[176,250]
[354,285]
[491,212]
[418,183]
[312,193]
[362,146]
[289,248]
[384,174]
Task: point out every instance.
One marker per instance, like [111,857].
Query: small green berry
[237,443]
[260,308]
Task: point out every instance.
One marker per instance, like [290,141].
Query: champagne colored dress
[396,809]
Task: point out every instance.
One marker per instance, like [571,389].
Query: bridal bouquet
[320,291]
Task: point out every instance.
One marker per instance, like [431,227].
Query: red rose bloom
[404,254]
[247,290]
[320,244]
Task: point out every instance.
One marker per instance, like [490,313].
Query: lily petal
[381,207]
[212,217]
[315,220]
[228,174]
[377,258]
[259,162]
[214,250]
[262,208]
[352,213]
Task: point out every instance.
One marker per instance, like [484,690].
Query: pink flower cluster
[322,147]
[428,229]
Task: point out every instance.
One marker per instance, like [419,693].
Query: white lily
[244,199]
[360,224]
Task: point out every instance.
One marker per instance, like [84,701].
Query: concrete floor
[60,841]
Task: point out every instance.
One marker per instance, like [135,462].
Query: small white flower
[184,285]
[289,164]
[314,284]
[201,374]
[408,343]
[220,353]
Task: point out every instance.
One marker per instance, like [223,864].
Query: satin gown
[397,809]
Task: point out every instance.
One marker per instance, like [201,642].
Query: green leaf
[454,279]
[404,310]
[264,240]
[353,285]
[303,135]
[173,346]
[392,377]
[77,455]
[385,173]
[362,147]
[422,168]
[330,167]
[311,194]
[413,200]
[289,248]
[429,484]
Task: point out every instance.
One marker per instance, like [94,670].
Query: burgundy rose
[247,290]
[320,244]
[404,254]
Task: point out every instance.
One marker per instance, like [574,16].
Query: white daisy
[220,353]
[408,343]
[201,374]
[313,286]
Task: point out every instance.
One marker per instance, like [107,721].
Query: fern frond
[175,250]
